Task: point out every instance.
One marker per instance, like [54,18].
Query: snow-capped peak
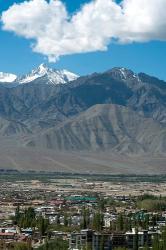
[7,77]
[122,73]
[42,74]
[52,76]
[34,74]
[41,70]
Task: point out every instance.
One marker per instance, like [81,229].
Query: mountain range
[42,73]
[117,112]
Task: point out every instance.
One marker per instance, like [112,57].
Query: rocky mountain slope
[9,128]
[105,127]
[117,111]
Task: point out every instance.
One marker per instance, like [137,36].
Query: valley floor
[13,156]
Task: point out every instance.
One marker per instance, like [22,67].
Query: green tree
[86,219]
[65,220]
[145,248]
[42,225]
[97,221]
[26,219]
[58,219]
[156,243]
[120,222]
[57,244]
[21,246]
[17,214]
[101,204]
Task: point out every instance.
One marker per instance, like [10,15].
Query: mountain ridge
[114,112]
[52,76]
[106,127]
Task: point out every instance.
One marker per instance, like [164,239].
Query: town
[48,211]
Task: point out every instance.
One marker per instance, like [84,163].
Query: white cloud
[92,28]
[143,20]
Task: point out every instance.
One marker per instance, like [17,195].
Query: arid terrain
[27,158]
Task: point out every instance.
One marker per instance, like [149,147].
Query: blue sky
[18,57]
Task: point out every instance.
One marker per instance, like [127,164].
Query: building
[141,238]
[102,241]
[81,240]
[7,236]
[118,240]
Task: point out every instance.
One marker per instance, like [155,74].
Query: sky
[83,36]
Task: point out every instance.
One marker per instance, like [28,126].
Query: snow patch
[7,77]
[53,76]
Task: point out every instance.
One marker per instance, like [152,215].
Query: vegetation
[45,176]
[29,219]
[57,244]
[152,203]
[22,246]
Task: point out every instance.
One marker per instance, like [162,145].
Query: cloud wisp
[55,32]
